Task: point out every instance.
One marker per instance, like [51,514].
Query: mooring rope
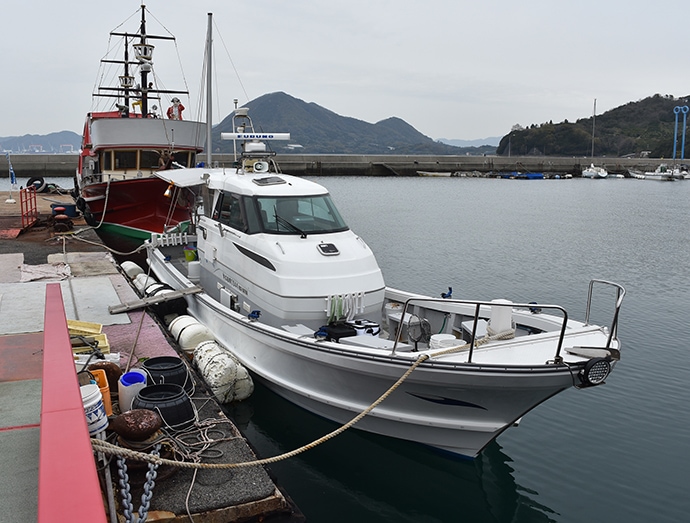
[109,448]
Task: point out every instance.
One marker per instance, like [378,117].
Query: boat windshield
[299,215]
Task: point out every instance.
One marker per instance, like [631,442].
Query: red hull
[138,204]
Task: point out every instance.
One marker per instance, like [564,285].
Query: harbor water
[619,452]
[615,453]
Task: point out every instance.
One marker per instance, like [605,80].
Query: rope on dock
[108,448]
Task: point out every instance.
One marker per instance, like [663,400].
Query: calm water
[617,453]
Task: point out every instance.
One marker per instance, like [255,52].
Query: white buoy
[141,282]
[194,271]
[131,269]
[189,333]
[223,373]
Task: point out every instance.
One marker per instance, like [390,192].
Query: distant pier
[65,165]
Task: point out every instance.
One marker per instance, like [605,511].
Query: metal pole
[676,111]
[685,110]
[209,93]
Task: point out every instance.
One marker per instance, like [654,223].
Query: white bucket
[443,341]
[223,373]
[131,269]
[127,387]
[96,418]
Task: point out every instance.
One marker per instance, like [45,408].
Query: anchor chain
[127,507]
[151,474]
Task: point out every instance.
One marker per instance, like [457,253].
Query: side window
[229,212]
[253,222]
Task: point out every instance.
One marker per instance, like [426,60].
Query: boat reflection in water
[360,476]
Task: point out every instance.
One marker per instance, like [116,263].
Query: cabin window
[300,215]
[228,211]
[250,211]
[125,160]
[183,158]
[106,163]
[149,160]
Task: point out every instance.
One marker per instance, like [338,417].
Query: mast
[144,69]
[594,119]
[209,92]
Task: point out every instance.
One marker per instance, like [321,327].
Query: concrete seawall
[44,165]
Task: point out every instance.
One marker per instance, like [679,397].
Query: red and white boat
[128,140]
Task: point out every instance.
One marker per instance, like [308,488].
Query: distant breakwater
[59,165]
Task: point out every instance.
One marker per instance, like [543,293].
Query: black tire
[38,182]
[89,219]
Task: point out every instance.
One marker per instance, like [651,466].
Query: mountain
[642,128]
[313,130]
[61,142]
[316,130]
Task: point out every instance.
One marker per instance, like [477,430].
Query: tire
[89,219]
[38,182]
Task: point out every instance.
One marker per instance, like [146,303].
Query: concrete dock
[64,165]
[47,466]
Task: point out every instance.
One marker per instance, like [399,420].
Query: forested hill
[638,128]
[316,130]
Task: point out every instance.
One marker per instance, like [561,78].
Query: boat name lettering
[255,136]
[234,284]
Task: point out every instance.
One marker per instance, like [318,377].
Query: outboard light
[596,371]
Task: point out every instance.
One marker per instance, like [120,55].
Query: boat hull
[134,208]
[456,407]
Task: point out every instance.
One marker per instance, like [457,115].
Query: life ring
[38,182]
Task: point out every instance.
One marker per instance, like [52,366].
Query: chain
[128,508]
[151,475]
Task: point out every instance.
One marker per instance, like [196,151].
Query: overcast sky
[450,68]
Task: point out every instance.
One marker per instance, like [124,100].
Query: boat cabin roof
[248,184]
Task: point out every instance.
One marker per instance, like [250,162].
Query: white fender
[223,373]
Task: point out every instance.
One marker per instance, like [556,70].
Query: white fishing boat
[299,299]
[661,174]
[594,172]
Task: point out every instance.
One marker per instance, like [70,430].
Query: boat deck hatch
[269,180]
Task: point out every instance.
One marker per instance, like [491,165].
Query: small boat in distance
[128,140]
[594,172]
[662,174]
[298,298]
